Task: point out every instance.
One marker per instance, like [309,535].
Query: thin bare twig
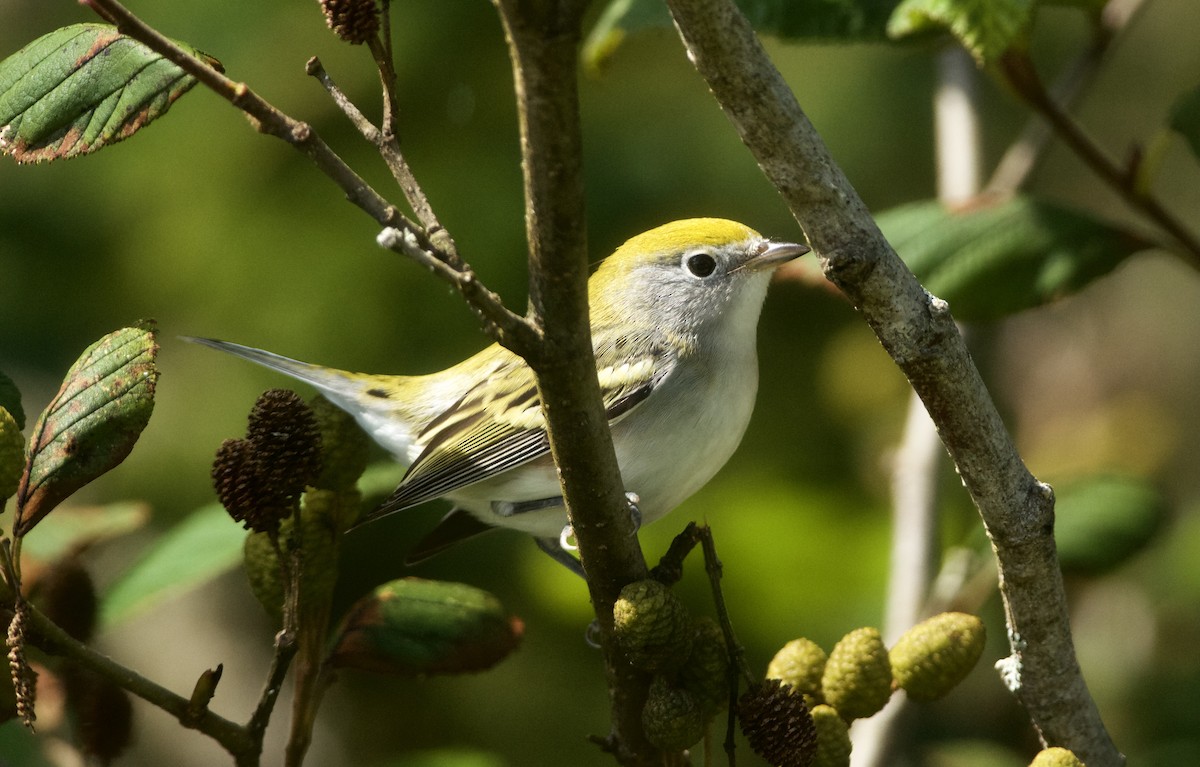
[1022,157]
[668,571]
[510,330]
[271,121]
[314,68]
[1021,75]
[386,142]
[234,738]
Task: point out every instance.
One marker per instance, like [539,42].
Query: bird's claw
[635,513]
[564,539]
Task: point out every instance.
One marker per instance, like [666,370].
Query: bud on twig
[932,657]
[858,676]
[652,626]
[800,663]
[672,718]
[833,737]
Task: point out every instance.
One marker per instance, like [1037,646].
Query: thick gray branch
[918,332]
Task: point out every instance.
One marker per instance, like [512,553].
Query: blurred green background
[214,230]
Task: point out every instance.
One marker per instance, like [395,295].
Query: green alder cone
[12,455]
[706,674]
[833,737]
[1056,757]
[344,446]
[800,663]
[652,626]
[858,676]
[336,509]
[932,657]
[672,719]
[318,557]
[262,570]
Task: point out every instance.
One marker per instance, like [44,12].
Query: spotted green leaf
[80,88]
[91,424]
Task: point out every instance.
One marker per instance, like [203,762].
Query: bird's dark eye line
[700,264]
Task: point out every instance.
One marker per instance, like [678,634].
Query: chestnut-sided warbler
[674,313]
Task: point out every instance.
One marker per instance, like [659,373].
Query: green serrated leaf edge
[80,88]
[986,28]
[92,423]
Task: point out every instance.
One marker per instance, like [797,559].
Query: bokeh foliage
[216,231]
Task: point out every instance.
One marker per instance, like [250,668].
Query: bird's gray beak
[775,254]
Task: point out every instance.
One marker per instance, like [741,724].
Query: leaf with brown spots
[91,424]
[80,88]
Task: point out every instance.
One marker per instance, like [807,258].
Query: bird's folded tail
[330,381]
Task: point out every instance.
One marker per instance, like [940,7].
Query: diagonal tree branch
[510,329]
[918,332]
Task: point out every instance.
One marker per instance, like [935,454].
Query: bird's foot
[633,500]
[554,547]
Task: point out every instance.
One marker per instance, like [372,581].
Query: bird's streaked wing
[493,429]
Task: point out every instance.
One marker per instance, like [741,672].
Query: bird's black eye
[700,264]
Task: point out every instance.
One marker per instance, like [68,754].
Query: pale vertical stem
[914,549]
[956,127]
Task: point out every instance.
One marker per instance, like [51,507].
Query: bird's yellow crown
[670,239]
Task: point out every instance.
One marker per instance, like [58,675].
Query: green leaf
[12,456]
[619,19]
[193,552]
[828,21]
[1185,119]
[10,400]
[80,88]
[78,527]
[416,627]
[986,28]
[91,424]
[1001,259]
[1103,521]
